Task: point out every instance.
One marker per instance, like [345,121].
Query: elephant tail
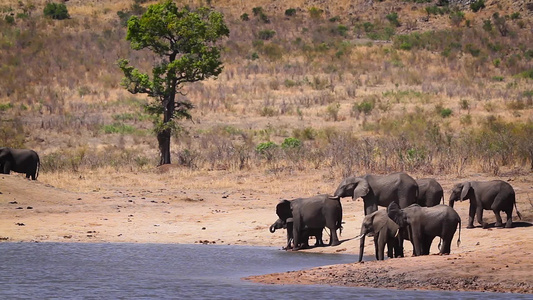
[517,212]
[38,168]
[459,240]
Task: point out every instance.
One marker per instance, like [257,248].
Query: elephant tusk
[359,236]
[397,231]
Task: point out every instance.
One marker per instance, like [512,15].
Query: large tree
[184,41]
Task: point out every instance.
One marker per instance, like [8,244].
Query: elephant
[312,213]
[421,225]
[379,190]
[385,231]
[317,233]
[20,161]
[430,192]
[496,195]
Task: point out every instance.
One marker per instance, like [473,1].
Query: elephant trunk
[272,228]
[451,202]
[362,244]
[361,248]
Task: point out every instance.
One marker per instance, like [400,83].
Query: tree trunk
[163,137]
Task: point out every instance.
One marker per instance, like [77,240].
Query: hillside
[419,85]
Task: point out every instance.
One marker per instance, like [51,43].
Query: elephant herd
[413,212]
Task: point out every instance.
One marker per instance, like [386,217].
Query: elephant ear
[283,210]
[465,190]
[361,189]
[379,220]
[396,214]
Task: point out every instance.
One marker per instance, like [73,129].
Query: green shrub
[342,30]
[118,128]
[315,13]
[393,19]
[266,149]
[366,106]
[245,17]
[291,143]
[5,106]
[263,17]
[335,19]
[526,74]
[515,16]
[443,112]
[457,17]
[9,19]
[477,5]
[290,12]
[56,11]
[266,34]
[257,10]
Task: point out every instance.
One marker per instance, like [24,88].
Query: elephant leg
[382,240]
[446,245]
[427,245]
[471,215]
[398,247]
[479,216]
[334,240]
[509,213]
[390,248]
[499,222]
[376,248]
[370,207]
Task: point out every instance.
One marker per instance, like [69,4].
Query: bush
[266,149]
[315,13]
[266,34]
[290,12]
[245,17]
[365,107]
[291,143]
[56,11]
[393,19]
[477,5]
[445,112]
[257,10]
[9,19]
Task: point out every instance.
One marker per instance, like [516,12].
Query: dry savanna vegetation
[340,87]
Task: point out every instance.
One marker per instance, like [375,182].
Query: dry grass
[308,79]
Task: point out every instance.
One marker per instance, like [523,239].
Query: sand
[237,209]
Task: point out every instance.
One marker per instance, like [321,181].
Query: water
[161,271]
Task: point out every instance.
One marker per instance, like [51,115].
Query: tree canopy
[184,40]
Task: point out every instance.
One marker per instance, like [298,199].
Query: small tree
[185,42]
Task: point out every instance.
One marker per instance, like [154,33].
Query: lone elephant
[495,195]
[316,232]
[422,224]
[430,192]
[379,190]
[313,213]
[20,161]
[386,232]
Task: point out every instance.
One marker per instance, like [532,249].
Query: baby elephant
[316,232]
[385,232]
[496,195]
